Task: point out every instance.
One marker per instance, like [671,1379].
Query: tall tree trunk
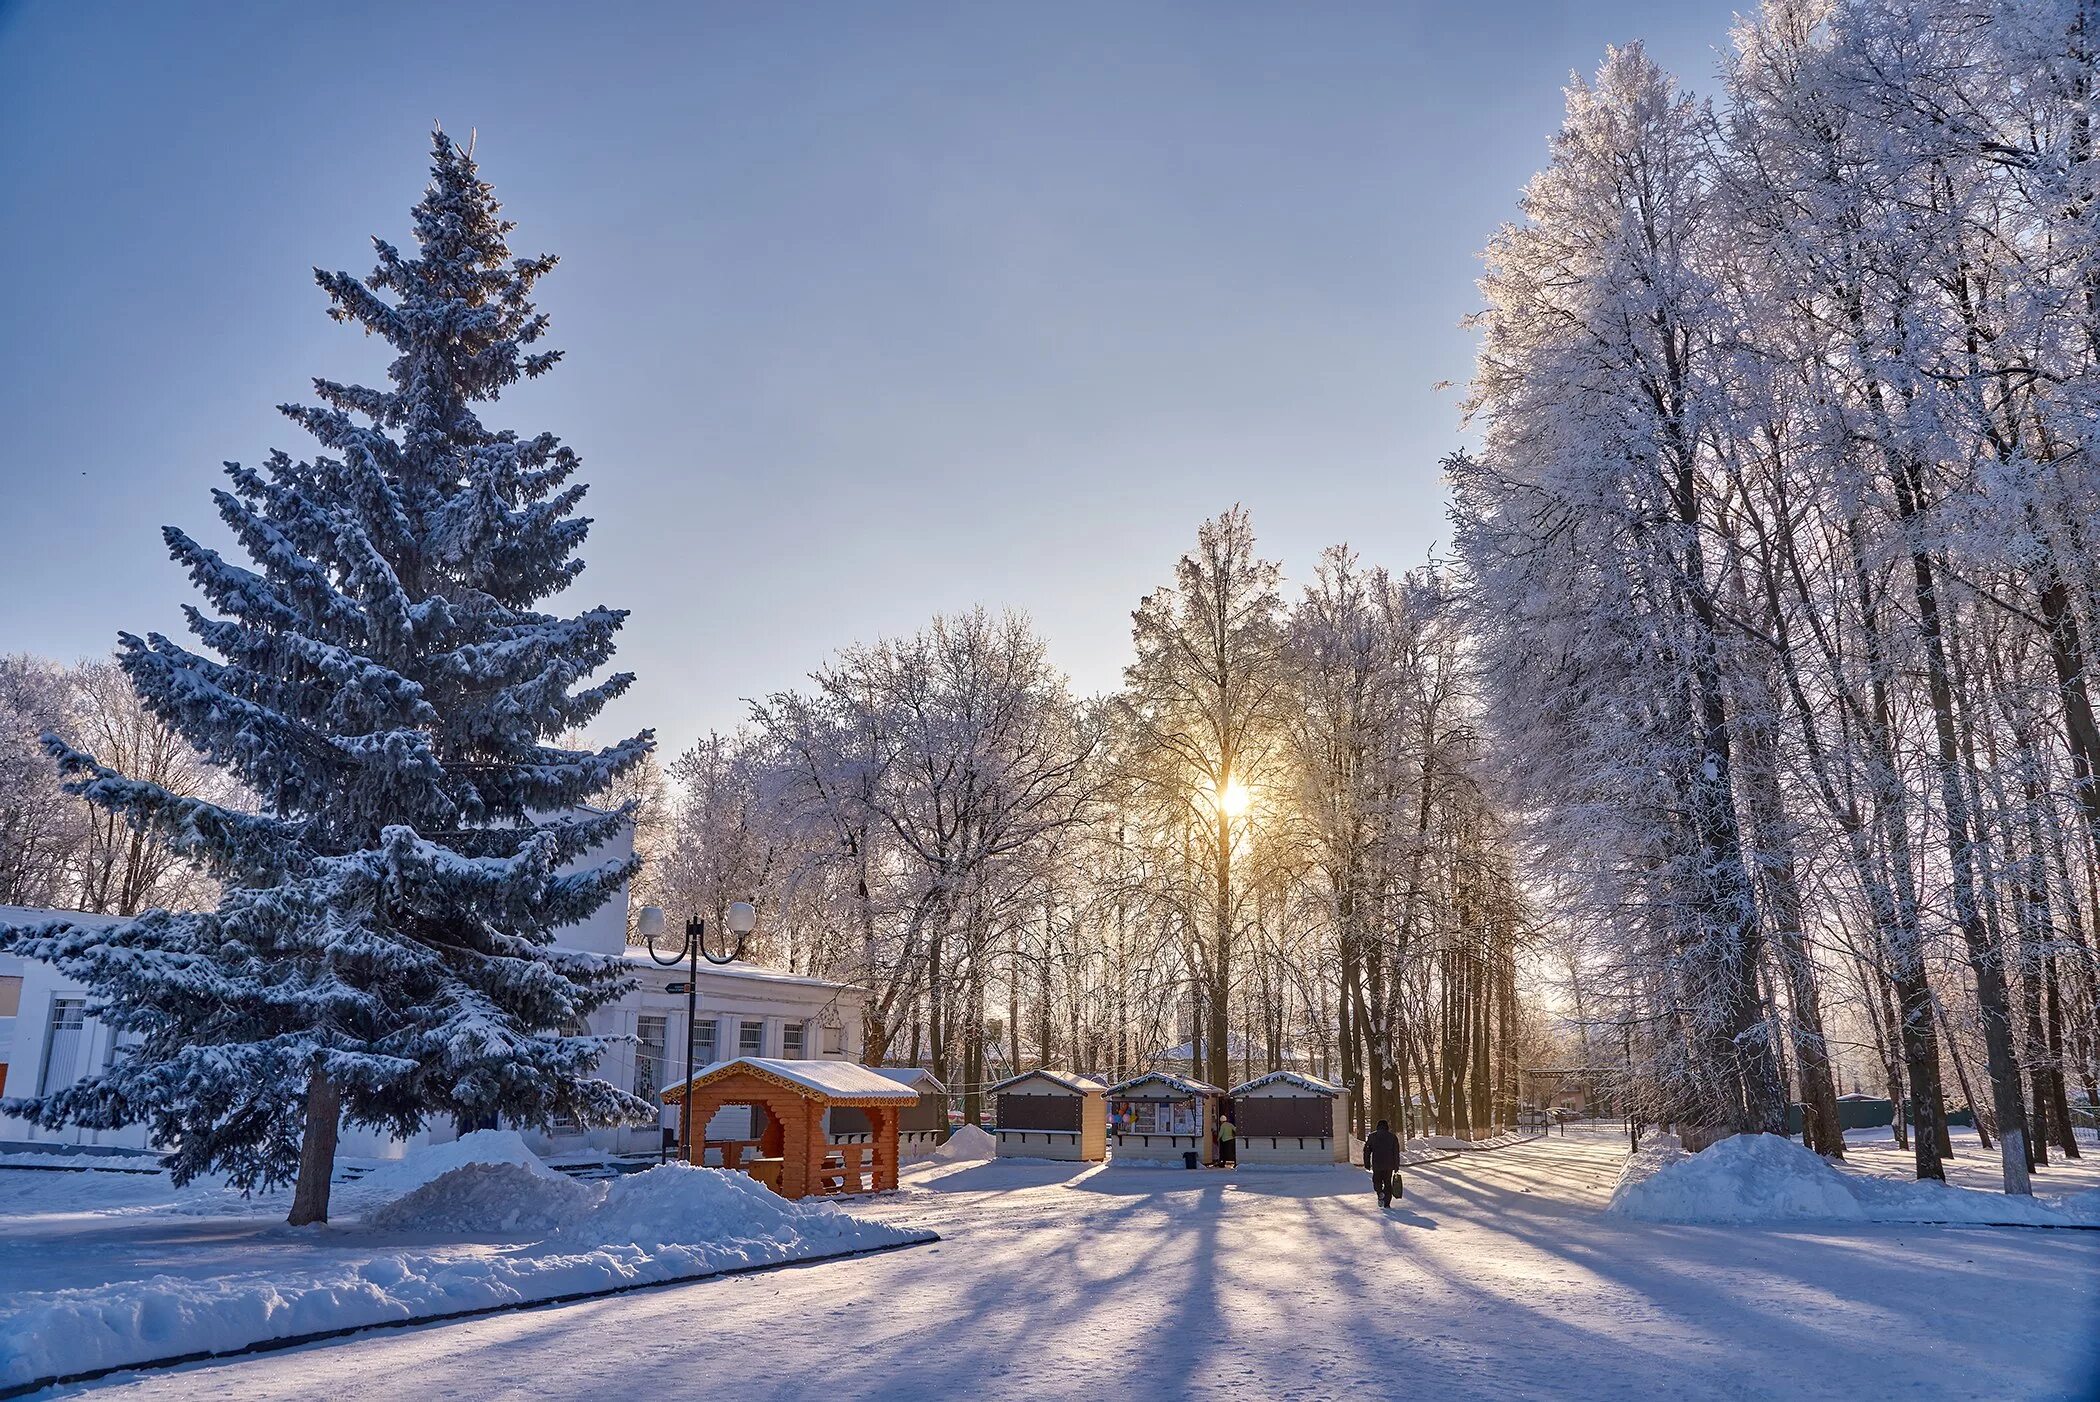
[1216,1067]
[1906,936]
[1889,1038]
[1782,890]
[2034,921]
[936,1002]
[1505,1049]
[1985,966]
[1402,1125]
[2059,1096]
[1349,996]
[1961,1078]
[1013,1013]
[324,1108]
[2084,1019]
[974,1077]
[1734,1046]
[2067,652]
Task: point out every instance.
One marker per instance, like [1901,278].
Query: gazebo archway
[797,1157]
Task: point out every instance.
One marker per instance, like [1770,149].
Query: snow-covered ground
[1497,1276]
[102,1269]
[1875,1151]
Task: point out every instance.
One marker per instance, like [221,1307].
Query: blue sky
[870,311]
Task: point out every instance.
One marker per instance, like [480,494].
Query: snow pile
[967,1145]
[670,1223]
[1744,1178]
[1763,1178]
[432,1161]
[731,1217]
[486,1199]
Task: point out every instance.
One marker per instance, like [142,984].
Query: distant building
[47,1040]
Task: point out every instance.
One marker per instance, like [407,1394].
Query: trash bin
[1191,1159]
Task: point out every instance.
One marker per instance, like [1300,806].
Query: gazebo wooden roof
[795,1155]
[833,1082]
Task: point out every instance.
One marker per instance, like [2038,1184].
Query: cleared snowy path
[1497,1278]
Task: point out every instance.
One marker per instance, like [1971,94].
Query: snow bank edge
[906,1239]
[1766,1180]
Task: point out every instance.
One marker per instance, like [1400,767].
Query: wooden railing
[732,1150]
[854,1160]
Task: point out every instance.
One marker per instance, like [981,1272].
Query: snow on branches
[380,680]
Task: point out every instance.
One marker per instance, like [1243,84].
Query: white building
[47,1040]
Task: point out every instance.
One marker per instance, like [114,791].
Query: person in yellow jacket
[1228,1141]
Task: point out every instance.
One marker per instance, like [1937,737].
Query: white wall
[32,1039]
[605,931]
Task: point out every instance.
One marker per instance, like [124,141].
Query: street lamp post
[741,919]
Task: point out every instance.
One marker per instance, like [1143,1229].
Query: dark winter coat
[1382,1150]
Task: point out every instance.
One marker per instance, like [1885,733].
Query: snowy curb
[16,1166]
[910,1237]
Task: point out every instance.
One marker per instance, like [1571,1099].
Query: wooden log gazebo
[796,1156]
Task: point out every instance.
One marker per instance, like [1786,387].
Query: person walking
[1228,1142]
[1382,1157]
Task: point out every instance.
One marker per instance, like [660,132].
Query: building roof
[31,916]
[1183,1084]
[1295,1078]
[35,915]
[917,1077]
[632,954]
[640,957]
[1070,1080]
[835,1082]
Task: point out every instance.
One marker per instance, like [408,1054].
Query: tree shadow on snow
[1001,1175]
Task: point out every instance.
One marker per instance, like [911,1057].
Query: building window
[651,1074]
[834,1039]
[791,1041]
[704,1042]
[62,1044]
[751,1038]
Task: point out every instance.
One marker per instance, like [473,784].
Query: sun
[1237,799]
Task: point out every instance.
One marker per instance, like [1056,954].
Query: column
[884,1118]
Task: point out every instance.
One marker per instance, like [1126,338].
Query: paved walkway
[1497,1277]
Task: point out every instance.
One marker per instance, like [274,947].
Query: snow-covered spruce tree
[384,685]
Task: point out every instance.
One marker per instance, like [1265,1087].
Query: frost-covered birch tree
[1588,522]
